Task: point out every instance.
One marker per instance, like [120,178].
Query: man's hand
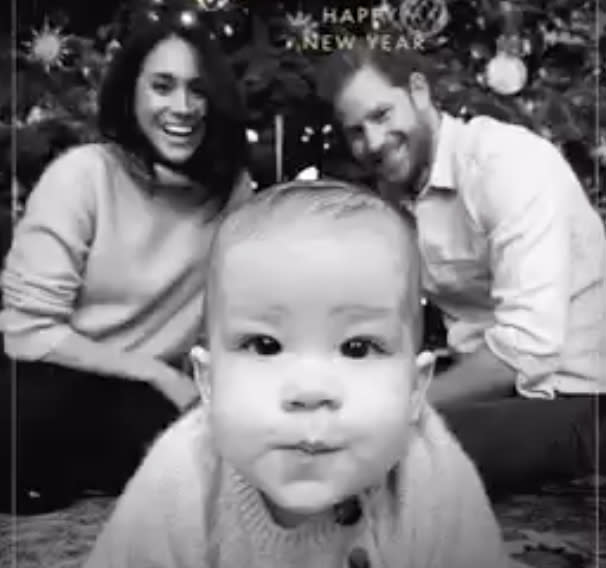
[176,387]
[480,376]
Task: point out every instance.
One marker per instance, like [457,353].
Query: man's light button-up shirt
[515,256]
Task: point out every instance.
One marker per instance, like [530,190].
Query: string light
[188,18]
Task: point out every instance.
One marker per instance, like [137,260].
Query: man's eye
[353,133]
[261,345]
[361,347]
[382,114]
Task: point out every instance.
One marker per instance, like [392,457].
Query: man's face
[386,127]
[312,367]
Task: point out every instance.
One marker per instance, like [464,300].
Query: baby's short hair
[298,200]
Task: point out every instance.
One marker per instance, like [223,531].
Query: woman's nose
[181,101]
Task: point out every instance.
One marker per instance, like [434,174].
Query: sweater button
[358,558]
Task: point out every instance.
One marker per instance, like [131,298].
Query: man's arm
[479,376]
[521,205]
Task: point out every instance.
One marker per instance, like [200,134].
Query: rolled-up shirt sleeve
[523,209]
[43,269]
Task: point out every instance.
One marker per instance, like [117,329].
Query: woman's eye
[262,345]
[162,88]
[359,348]
[197,89]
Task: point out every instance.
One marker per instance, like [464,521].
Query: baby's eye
[261,345]
[360,347]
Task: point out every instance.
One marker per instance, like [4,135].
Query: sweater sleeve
[477,538]
[449,517]
[158,522]
[44,268]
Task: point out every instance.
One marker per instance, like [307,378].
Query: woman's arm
[45,270]
[79,352]
[242,191]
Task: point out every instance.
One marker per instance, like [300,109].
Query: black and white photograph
[303,284]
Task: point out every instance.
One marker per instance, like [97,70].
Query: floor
[556,528]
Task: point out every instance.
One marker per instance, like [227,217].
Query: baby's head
[313,324]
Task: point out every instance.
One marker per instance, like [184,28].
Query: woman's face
[170,102]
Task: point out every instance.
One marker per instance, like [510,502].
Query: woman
[103,284]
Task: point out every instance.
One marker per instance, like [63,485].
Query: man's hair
[396,66]
[222,154]
[298,201]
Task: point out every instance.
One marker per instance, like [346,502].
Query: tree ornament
[37,114]
[506,74]
[382,15]
[599,152]
[212,5]
[48,47]
[301,26]
[479,52]
[188,18]
[252,136]
[424,18]
[111,49]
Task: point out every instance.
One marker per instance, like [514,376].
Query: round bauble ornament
[506,74]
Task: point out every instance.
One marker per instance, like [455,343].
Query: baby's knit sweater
[188,508]
[103,253]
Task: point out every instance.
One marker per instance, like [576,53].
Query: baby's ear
[426,363]
[200,359]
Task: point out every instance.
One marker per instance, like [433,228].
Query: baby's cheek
[381,403]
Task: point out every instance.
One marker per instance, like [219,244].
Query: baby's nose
[312,385]
[310,399]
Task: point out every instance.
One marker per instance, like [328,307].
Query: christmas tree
[528,61]
[531,62]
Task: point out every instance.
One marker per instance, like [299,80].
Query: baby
[313,446]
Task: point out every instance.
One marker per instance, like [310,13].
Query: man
[513,255]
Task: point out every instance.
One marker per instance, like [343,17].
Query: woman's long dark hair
[222,154]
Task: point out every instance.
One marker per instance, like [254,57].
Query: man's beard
[419,145]
[420,150]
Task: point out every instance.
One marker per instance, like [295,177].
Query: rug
[555,528]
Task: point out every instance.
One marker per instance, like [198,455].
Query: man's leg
[518,444]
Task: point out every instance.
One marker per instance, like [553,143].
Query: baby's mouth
[313,447]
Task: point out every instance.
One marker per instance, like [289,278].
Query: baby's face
[312,365]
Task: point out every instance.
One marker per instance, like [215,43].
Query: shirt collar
[442,171]
[441,174]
